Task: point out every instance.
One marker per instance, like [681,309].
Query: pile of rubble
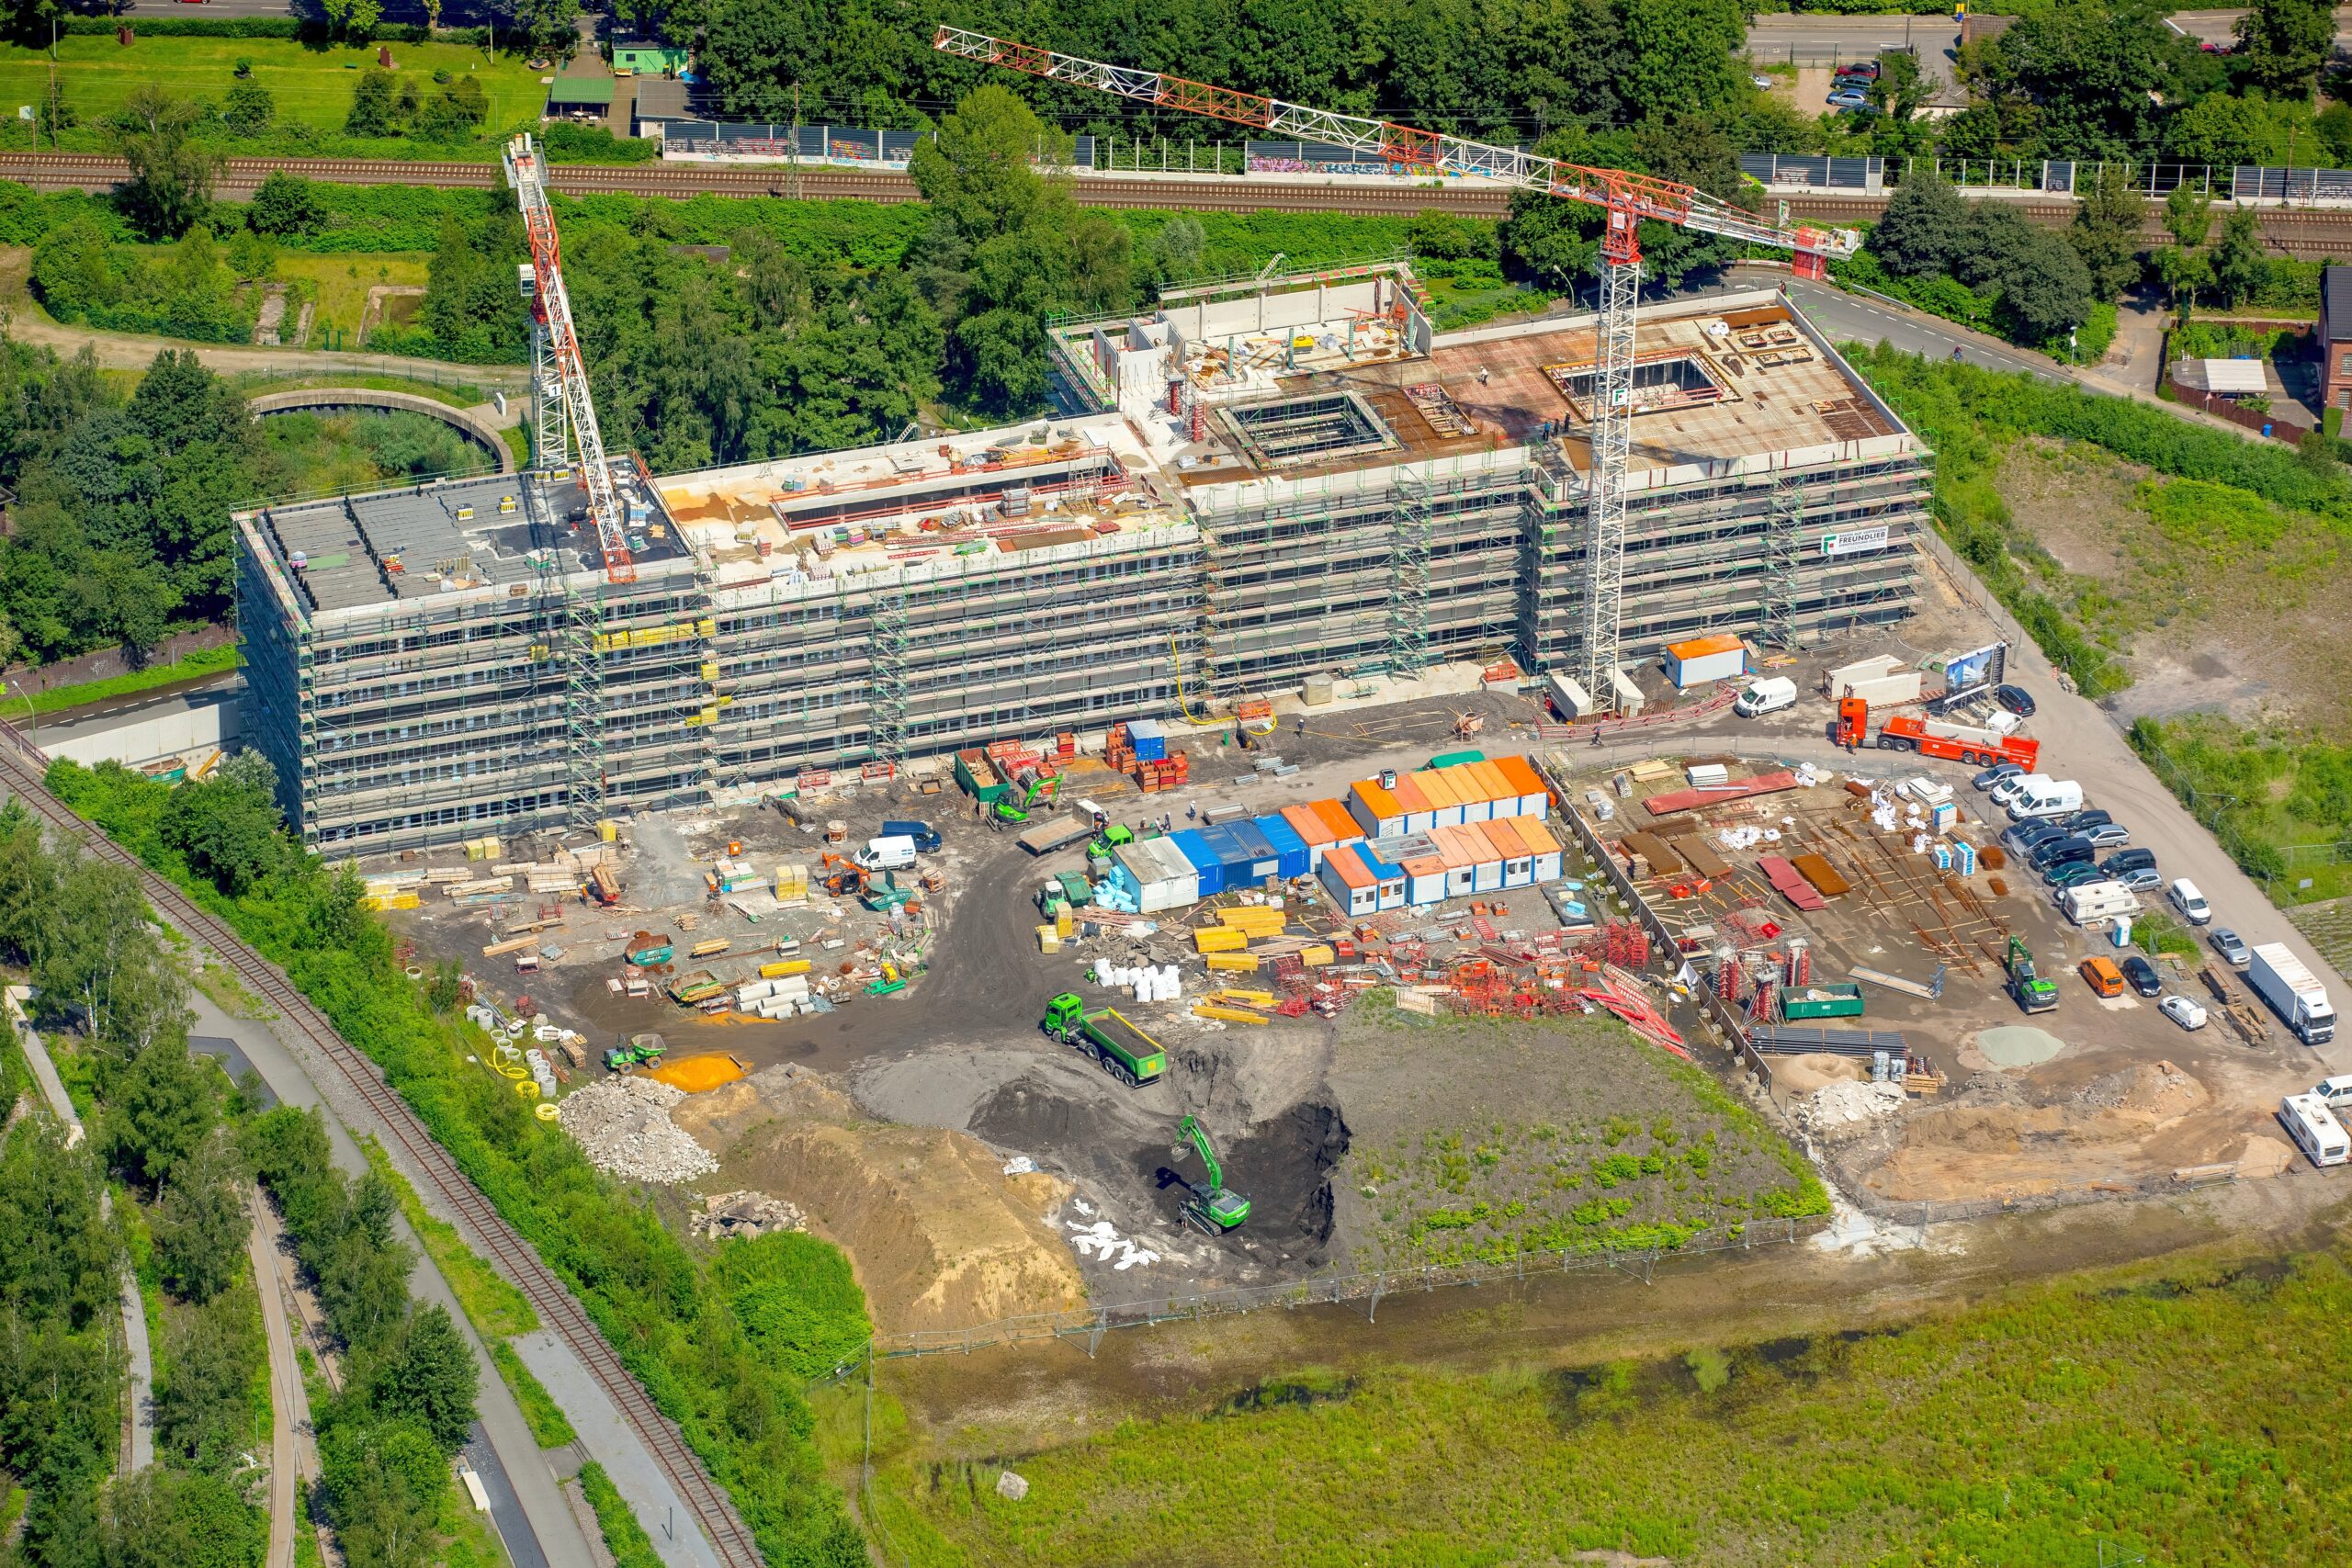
[746,1214]
[1839,1105]
[623,1126]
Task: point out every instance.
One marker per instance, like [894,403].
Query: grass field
[2196,1415]
[343,282]
[204,661]
[310,85]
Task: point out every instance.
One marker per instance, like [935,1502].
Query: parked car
[2124,861]
[2141,977]
[1761,80]
[1995,773]
[2071,849]
[2102,977]
[2147,879]
[2189,902]
[2183,1011]
[2227,944]
[2017,699]
[2107,835]
[2084,821]
[2022,839]
[2073,874]
[1848,99]
[1866,69]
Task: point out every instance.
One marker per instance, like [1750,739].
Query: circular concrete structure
[464,421]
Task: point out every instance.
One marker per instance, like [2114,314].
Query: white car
[2183,1011]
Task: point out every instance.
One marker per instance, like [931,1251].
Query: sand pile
[1846,1104]
[939,1235]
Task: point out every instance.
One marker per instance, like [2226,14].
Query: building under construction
[1251,486]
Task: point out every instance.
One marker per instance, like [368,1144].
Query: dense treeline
[112,1002]
[724,1357]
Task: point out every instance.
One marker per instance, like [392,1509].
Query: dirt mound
[2163,1092]
[1804,1074]
[939,1235]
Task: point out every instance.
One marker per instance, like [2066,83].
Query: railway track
[556,1305]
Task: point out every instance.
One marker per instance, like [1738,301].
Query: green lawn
[2197,1416]
[343,282]
[312,85]
[204,661]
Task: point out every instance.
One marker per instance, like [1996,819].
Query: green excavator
[1024,792]
[1209,1204]
[2027,988]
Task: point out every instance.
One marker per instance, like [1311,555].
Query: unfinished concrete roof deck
[1764,397]
[352,552]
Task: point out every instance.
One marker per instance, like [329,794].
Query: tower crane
[1628,199]
[551,315]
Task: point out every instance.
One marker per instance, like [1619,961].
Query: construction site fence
[1371,1288]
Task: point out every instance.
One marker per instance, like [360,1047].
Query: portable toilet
[1194,845]
[1353,887]
[1313,832]
[1290,847]
[1519,861]
[1445,805]
[1378,813]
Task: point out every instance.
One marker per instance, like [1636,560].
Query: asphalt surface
[292,1452]
[536,1518]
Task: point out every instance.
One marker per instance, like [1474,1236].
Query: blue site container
[1264,860]
[1149,738]
[1289,847]
[1193,843]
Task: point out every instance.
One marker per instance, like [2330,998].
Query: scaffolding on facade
[886,649]
[1408,576]
[1783,560]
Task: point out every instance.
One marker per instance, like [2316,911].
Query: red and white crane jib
[1634,195]
[552,305]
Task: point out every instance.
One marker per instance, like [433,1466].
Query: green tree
[1684,55]
[172,173]
[161,1108]
[201,1226]
[248,109]
[352,20]
[165,1518]
[429,1378]
[2189,216]
[2222,130]
[283,205]
[227,827]
[1926,225]
[102,964]
[2283,43]
[56,113]
[2239,268]
[977,172]
[2106,232]
[371,106]
[204,1407]
[1902,89]
[2097,73]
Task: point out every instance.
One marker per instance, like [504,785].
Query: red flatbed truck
[1963,743]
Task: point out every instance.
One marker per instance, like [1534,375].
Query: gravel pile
[623,1126]
[1839,1105]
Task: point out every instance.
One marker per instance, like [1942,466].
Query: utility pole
[794,183]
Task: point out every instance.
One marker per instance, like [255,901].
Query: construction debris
[623,1126]
[746,1214]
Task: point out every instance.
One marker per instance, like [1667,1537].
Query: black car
[2016,699]
[2054,852]
[2083,821]
[2141,975]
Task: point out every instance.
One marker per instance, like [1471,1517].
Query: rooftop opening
[1298,430]
[1667,381]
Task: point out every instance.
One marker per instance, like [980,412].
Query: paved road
[131,351]
[1816,39]
[539,1518]
[292,1452]
[603,1433]
[136,1349]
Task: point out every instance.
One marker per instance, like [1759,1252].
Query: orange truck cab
[1853,721]
[2103,976]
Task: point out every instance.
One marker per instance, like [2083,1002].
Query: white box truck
[2098,903]
[2293,992]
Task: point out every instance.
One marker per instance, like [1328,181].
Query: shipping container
[1378,813]
[1148,738]
[1191,843]
[1351,886]
[1312,830]
[1703,659]
[1345,829]
[1263,858]
[1289,845]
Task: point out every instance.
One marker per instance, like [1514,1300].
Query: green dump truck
[1124,1051]
[1841,1000]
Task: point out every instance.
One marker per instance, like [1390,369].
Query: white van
[2008,789]
[887,854]
[1769,695]
[2315,1130]
[2336,1093]
[2189,902]
[2054,798]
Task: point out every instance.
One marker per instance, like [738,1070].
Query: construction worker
[1191,812]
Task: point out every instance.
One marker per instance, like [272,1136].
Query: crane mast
[1627,198]
[551,312]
